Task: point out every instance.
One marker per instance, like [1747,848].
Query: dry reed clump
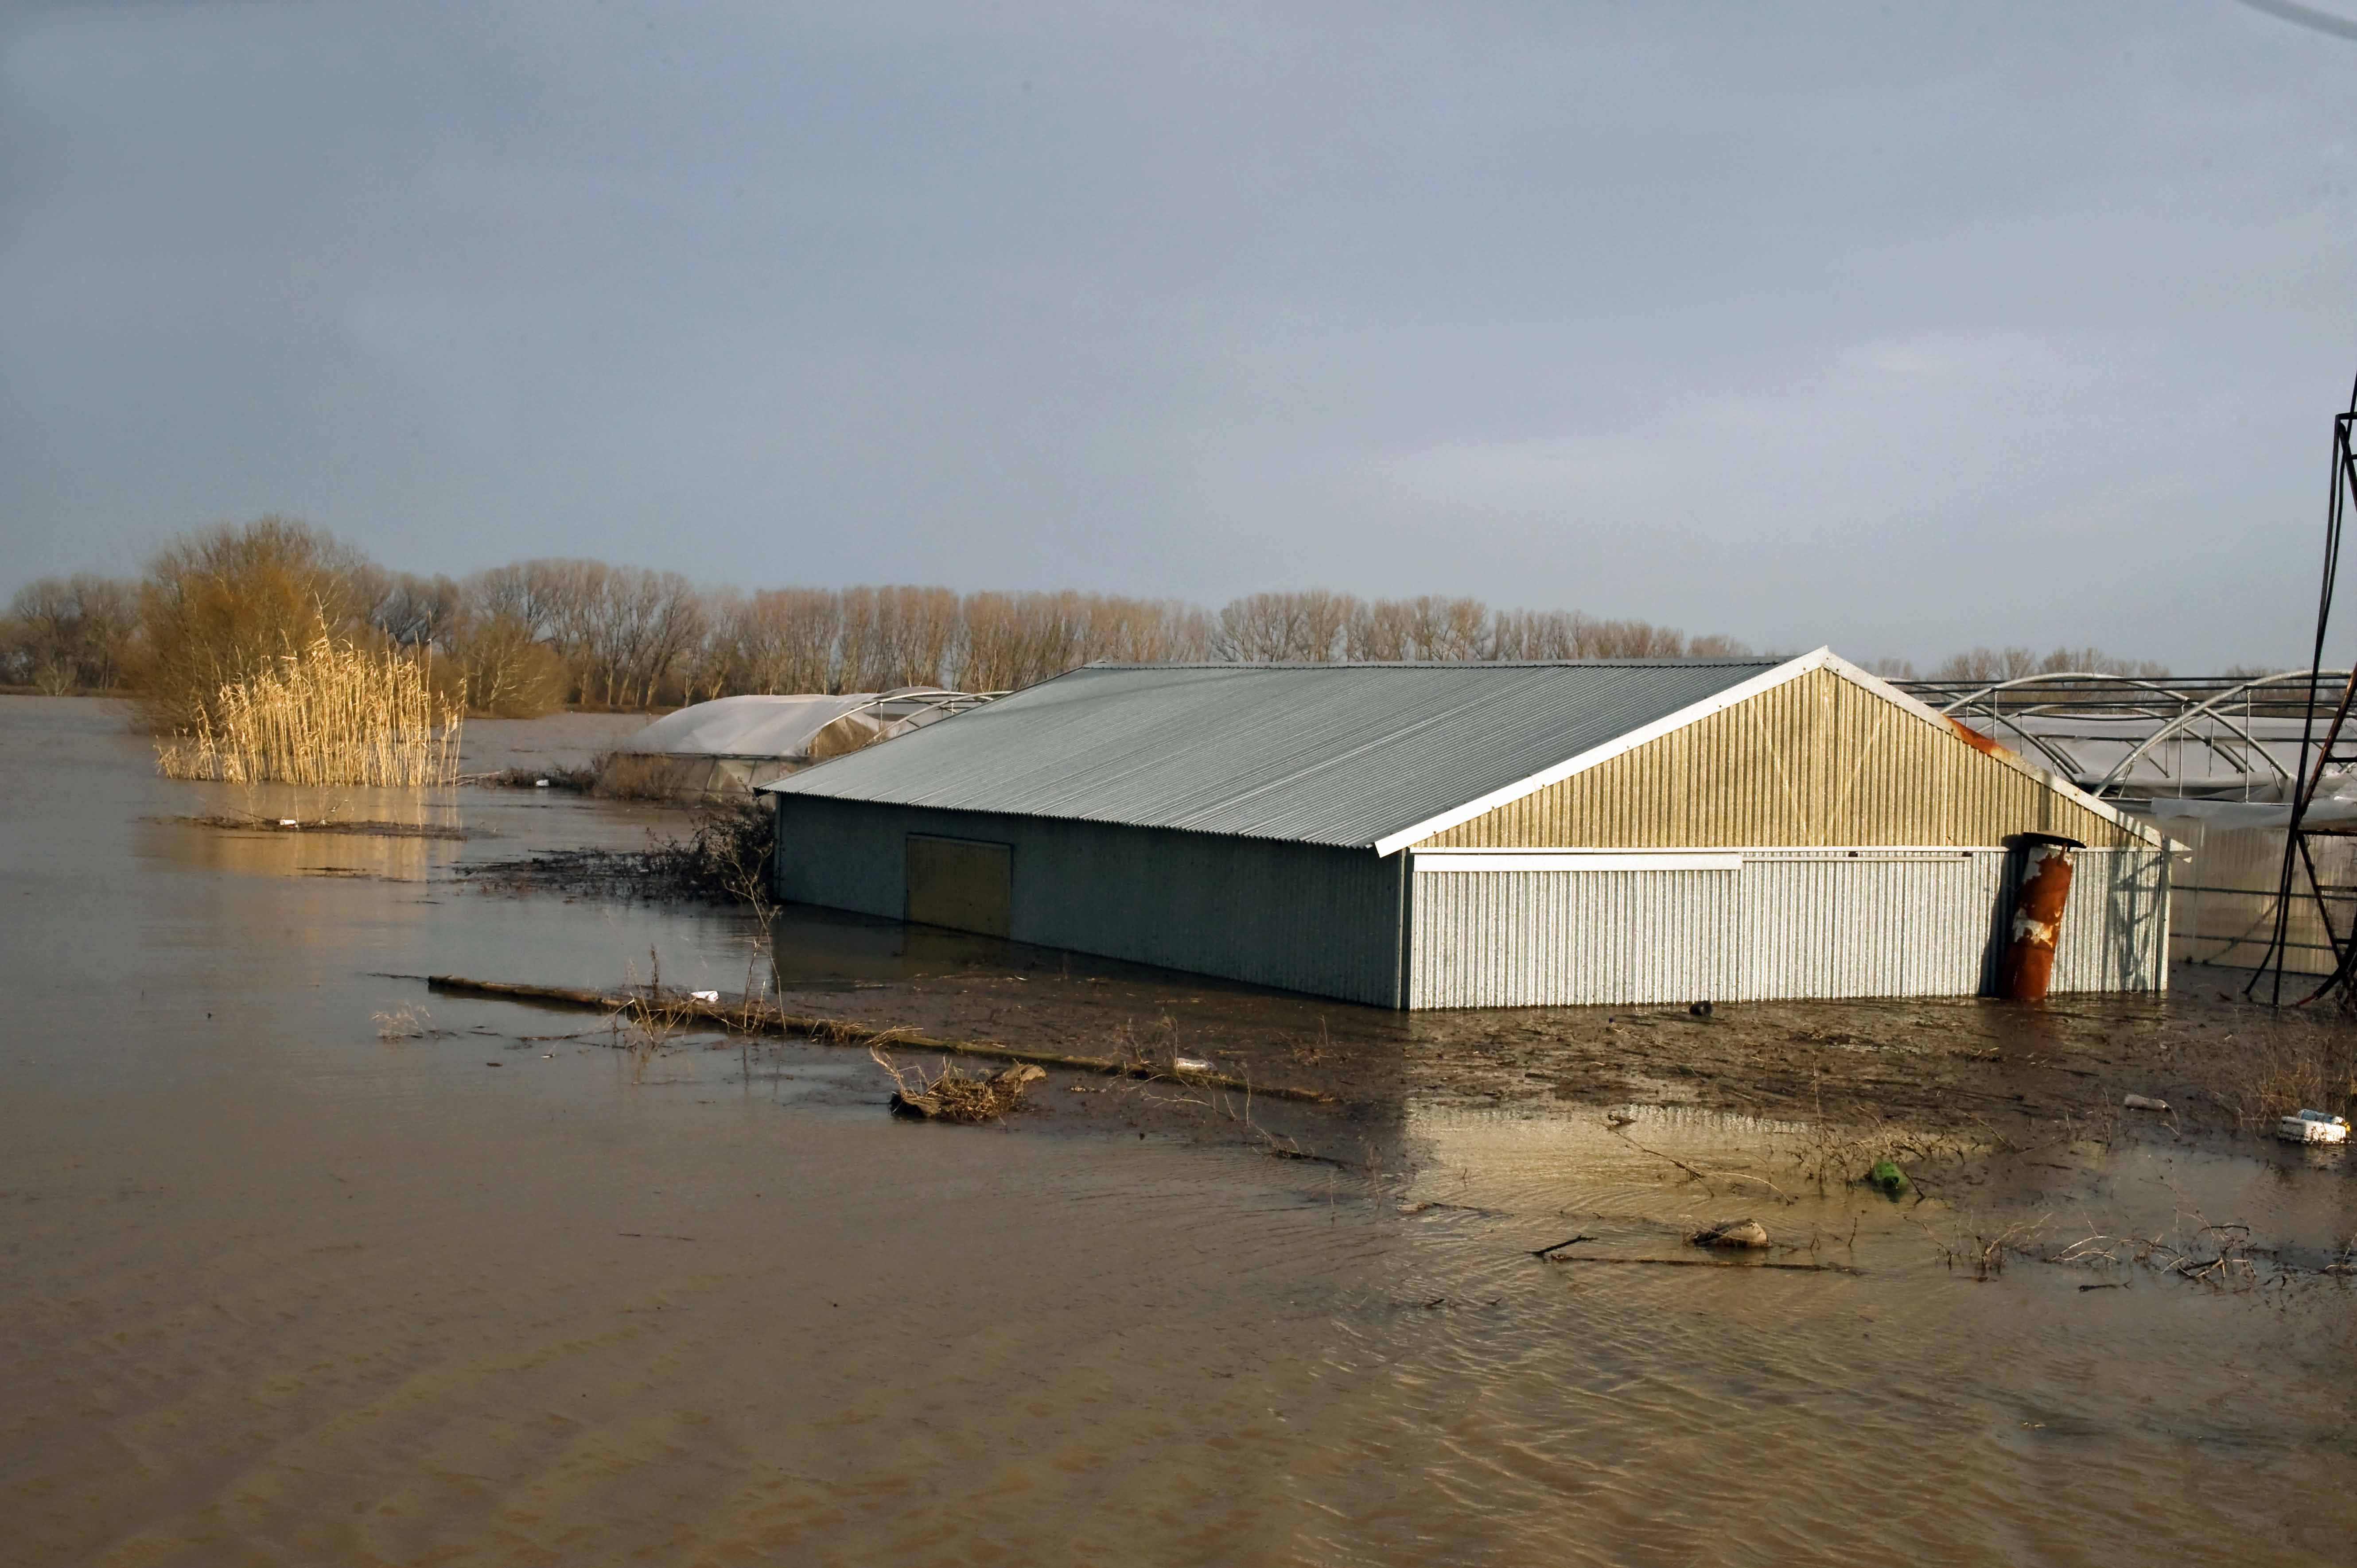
[953,1096]
[330,713]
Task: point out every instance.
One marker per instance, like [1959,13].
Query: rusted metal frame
[2214,708]
[2086,691]
[2181,691]
[2171,728]
[2176,726]
[2086,676]
[2093,707]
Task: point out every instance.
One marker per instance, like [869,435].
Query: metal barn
[1480,836]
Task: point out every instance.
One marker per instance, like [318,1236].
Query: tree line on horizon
[219,606]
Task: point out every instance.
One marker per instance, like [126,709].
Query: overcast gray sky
[1901,327]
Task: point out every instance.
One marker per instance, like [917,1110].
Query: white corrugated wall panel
[1790,924]
[1538,938]
[2115,933]
[1868,923]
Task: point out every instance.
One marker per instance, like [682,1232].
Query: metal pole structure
[2304,784]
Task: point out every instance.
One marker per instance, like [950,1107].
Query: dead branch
[746,1017]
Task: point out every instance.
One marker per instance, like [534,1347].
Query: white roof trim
[1431,862]
[1766,680]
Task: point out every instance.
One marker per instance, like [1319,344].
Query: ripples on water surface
[279,1293]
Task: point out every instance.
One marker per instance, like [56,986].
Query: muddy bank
[2100,1199]
[2006,1073]
[1985,1107]
[1964,1068]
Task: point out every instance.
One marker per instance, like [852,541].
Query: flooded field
[304,1263]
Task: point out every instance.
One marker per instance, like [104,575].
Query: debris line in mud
[748,1017]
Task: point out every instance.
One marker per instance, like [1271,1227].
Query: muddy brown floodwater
[506,1286]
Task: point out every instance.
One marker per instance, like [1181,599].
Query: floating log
[1704,1264]
[748,1018]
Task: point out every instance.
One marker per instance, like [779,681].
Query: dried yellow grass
[330,713]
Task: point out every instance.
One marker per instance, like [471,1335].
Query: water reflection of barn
[1455,835]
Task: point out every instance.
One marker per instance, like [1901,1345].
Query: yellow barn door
[963,884]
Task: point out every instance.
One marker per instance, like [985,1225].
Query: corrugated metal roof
[1336,753]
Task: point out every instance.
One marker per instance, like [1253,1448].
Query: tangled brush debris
[953,1096]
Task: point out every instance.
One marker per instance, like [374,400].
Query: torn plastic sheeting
[747,726]
[2232,814]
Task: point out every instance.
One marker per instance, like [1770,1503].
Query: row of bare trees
[1322,628]
[70,634]
[216,606]
[1980,665]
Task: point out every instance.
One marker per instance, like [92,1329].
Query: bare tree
[1259,629]
[1994,664]
[1626,640]
[565,601]
[1449,630]
[776,640]
[1184,634]
[1325,619]
[508,671]
[1382,630]
[413,611]
[1146,631]
[801,626]
[916,629]
[1013,640]
[1287,628]
[70,633]
[643,624]
[217,607]
[858,658]
[1533,635]
[517,592]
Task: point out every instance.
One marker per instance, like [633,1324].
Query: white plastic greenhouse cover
[752,726]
